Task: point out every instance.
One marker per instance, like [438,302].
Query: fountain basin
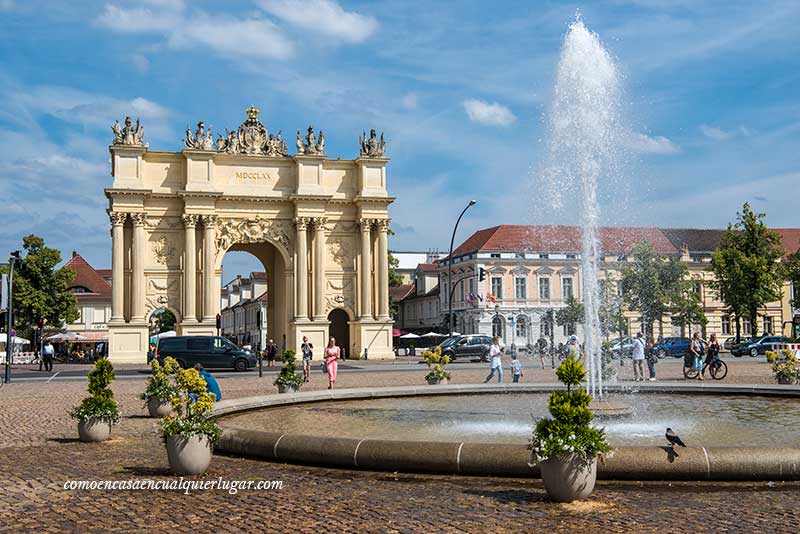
[720,461]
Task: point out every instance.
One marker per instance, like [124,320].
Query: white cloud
[493,114]
[645,144]
[141,62]
[409,101]
[324,16]
[718,134]
[7,5]
[253,37]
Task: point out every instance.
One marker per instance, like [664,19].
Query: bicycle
[717,369]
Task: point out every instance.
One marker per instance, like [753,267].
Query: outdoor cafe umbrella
[410,336]
[68,336]
[17,340]
[431,334]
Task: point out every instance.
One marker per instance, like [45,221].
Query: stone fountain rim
[458,458]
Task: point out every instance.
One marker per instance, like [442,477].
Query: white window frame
[549,288]
[499,294]
[571,286]
[524,287]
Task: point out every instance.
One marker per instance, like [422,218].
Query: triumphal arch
[319,225]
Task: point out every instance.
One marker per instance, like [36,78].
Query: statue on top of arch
[128,135]
[252,138]
[372,147]
[201,139]
[311,146]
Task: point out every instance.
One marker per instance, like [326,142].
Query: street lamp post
[10,316]
[450,267]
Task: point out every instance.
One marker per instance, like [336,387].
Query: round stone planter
[189,455]
[287,388]
[567,478]
[435,381]
[786,381]
[159,407]
[94,429]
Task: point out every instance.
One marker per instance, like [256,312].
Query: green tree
[395,279]
[40,289]
[571,314]
[612,320]
[791,272]
[686,308]
[746,266]
[165,321]
[652,284]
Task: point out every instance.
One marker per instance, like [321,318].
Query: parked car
[623,346]
[758,346]
[677,347]
[468,346]
[731,342]
[213,352]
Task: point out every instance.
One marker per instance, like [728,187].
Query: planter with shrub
[96,413]
[436,362]
[566,446]
[288,381]
[190,432]
[159,389]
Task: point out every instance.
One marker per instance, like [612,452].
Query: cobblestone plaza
[39,453]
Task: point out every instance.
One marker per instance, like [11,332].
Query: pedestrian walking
[212,386]
[332,354]
[638,357]
[712,354]
[516,368]
[696,350]
[651,357]
[495,361]
[308,353]
[272,351]
[47,356]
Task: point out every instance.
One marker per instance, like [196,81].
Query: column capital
[366,224]
[319,223]
[117,218]
[303,223]
[138,218]
[382,225]
[190,220]
[210,221]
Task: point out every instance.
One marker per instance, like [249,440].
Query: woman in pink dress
[332,353]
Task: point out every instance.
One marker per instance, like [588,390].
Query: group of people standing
[643,351]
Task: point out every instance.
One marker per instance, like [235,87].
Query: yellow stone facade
[318,225]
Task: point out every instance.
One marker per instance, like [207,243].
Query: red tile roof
[398,293]
[790,238]
[518,238]
[87,277]
[428,267]
[262,297]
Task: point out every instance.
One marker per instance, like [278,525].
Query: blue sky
[460,88]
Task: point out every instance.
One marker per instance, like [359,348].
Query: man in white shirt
[638,357]
[495,361]
[47,356]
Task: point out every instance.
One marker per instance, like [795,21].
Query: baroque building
[318,225]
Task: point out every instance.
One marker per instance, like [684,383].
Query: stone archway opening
[340,330]
[254,295]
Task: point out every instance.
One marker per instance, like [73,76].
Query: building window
[767,325]
[495,255]
[544,256]
[697,288]
[521,327]
[497,287]
[521,288]
[572,256]
[544,289]
[519,255]
[472,288]
[566,288]
[726,325]
[497,327]
[747,327]
[569,329]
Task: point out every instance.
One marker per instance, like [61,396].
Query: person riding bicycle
[712,355]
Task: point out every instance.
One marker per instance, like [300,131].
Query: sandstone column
[190,268]
[209,253]
[301,259]
[366,267]
[137,264]
[117,265]
[319,268]
[382,269]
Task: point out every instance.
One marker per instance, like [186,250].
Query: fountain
[585,133]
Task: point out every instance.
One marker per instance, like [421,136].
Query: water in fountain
[585,134]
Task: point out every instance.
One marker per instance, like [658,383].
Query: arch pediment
[232,231]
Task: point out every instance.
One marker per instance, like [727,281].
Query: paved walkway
[39,453]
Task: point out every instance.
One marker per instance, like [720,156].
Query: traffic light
[40,323]
[219,321]
[481,274]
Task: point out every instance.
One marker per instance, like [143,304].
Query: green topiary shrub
[158,385]
[101,403]
[288,375]
[569,431]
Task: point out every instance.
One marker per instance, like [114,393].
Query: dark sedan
[758,346]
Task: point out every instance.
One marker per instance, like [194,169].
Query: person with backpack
[308,353]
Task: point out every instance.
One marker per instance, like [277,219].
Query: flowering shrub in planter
[159,389]
[288,379]
[436,362]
